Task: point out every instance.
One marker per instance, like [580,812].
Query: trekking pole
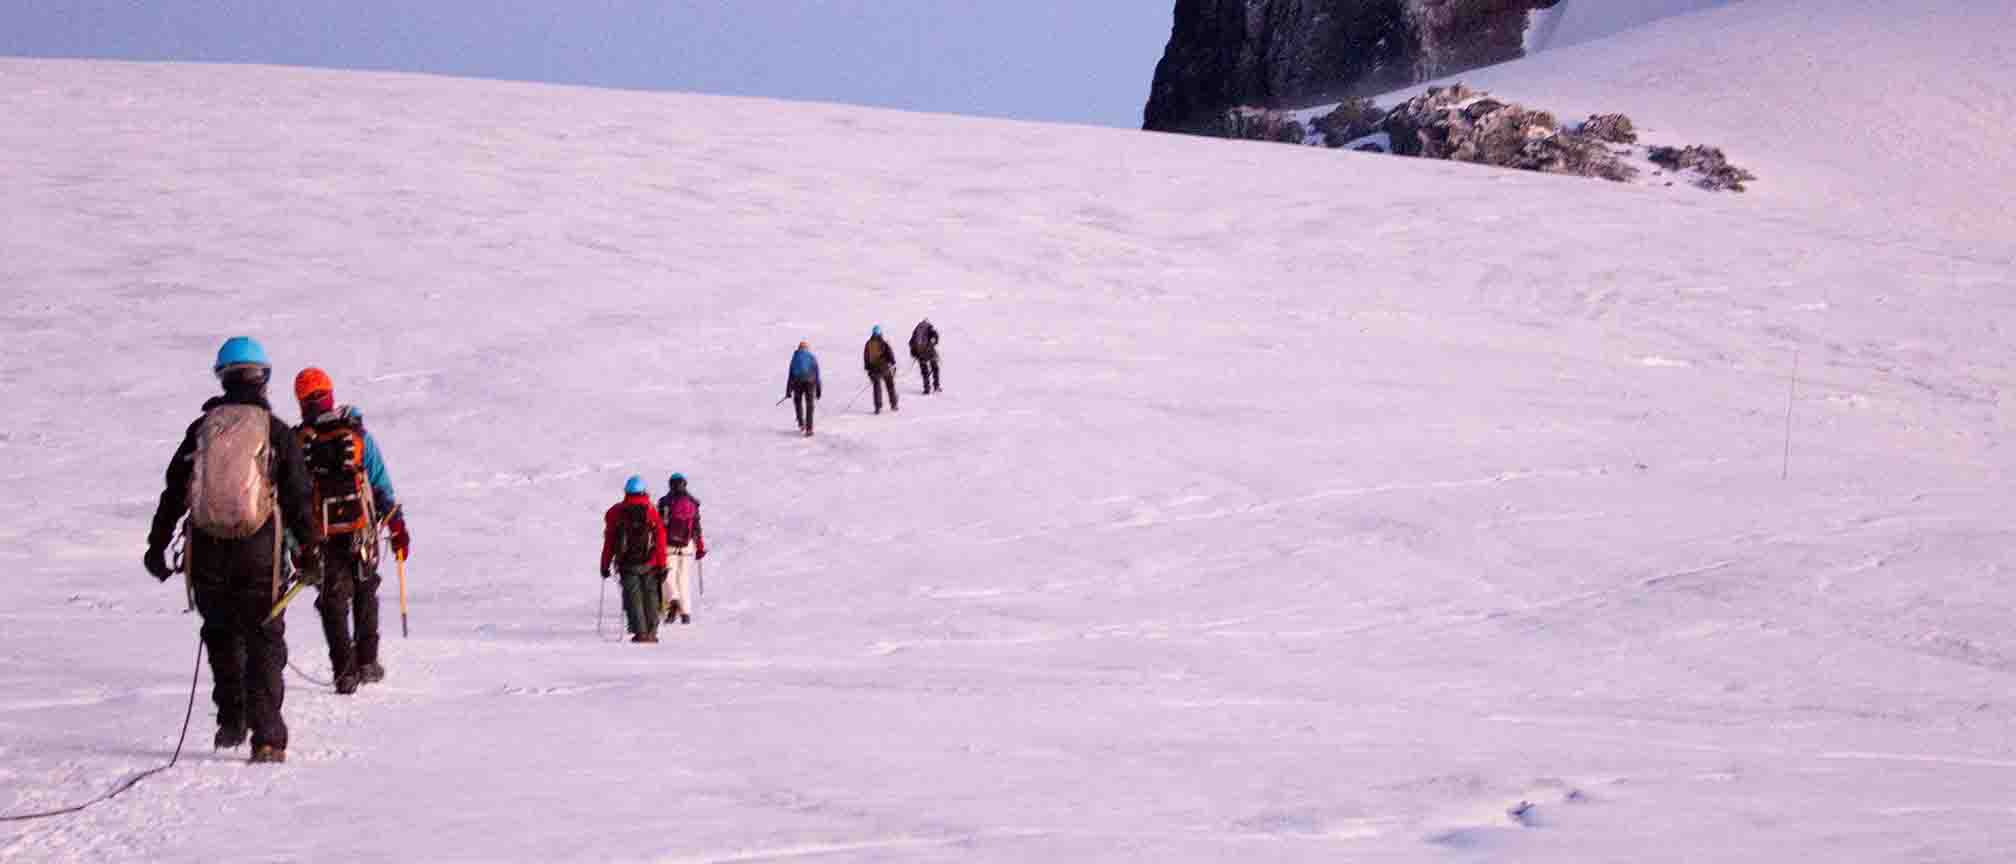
[385,524]
[857,398]
[601,600]
[781,401]
[403,632]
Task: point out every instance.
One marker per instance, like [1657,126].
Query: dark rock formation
[1712,167]
[1459,124]
[1263,124]
[1610,128]
[1287,53]
[1351,120]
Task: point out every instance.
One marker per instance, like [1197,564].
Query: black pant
[349,587]
[235,584]
[883,379]
[802,399]
[927,369]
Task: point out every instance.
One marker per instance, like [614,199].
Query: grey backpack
[231,488]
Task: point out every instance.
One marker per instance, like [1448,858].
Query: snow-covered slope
[1872,112]
[1574,21]
[1272,510]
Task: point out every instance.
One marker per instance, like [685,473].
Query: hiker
[679,511]
[880,363]
[924,349]
[353,500]
[802,386]
[239,478]
[633,539]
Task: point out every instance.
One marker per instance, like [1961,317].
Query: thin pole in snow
[1791,394]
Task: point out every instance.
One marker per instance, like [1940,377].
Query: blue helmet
[676,479]
[241,351]
[875,331]
[635,486]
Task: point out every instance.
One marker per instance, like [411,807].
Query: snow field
[1277,506]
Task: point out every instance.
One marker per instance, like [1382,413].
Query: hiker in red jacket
[633,539]
[680,512]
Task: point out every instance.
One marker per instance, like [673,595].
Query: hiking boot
[371,673]
[685,618]
[229,737]
[268,754]
[637,638]
[346,684]
[648,638]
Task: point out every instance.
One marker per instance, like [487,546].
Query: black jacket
[290,478]
[924,341]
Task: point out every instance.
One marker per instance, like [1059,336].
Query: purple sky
[1085,61]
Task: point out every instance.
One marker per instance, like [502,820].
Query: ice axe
[403,632]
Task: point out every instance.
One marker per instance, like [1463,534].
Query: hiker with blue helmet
[880,362]
[239,479]
[802,386]
[633,540]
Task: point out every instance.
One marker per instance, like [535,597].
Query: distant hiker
[633,539]
[880,363]
[924,349]
[802,386]
[684,545]
[239,477]
[352,499]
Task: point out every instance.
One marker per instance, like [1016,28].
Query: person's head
[875,330]
[316,393]
[635,486]
[242,366]
[804,345]
[677,483]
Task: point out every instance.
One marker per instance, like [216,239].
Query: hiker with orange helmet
[353,499]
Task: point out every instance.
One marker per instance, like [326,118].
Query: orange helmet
[310,382]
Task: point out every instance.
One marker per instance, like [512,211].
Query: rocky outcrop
[1263,124]
[1351,120]
[1286,53]
[1463,125]
[1707,166]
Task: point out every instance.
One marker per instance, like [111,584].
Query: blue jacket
[374,468]
[804,369]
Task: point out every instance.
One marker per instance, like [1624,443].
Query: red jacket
[615,515]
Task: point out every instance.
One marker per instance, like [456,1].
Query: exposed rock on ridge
[1280,53]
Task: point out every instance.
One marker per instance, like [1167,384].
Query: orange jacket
[615,516]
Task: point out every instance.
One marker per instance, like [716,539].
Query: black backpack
[633,535]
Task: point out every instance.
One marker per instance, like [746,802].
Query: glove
[308,564]
[156,562]
[605,571]
[699,550]
[401,540]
